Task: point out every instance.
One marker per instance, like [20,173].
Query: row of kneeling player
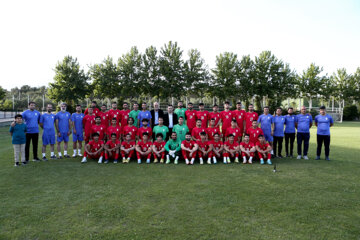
[173,149]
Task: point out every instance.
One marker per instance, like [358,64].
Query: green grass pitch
[62,199]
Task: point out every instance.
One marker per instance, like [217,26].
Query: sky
[35,35]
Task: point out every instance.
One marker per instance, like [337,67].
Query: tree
[224,79]
[171,70]
[245,79]
[311,84]
[70,82]
[150,73]
[196,74]
[105,81]
[356,77]
[345,86]
[2,94]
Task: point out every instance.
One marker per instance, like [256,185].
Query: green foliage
[2,94]
[150,73]
[350,113]
[70,82]
[346,85]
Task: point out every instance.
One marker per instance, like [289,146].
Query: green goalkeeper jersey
[173,145]
[134,114]
[180,112]
[181,131]
[163,130]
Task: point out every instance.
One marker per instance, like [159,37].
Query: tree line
[169,72]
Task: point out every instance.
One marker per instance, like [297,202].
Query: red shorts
[252,154]
[200,154]
[186,154]
[129,155]
[260,155]
[93,156]
[162,155]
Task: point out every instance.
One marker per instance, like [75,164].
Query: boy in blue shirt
[144,114]
[303,123]
[289,132]
[18,133]
[31,118]
[63,122]
[47,121]
[77,128]
[278,132]
[323,122]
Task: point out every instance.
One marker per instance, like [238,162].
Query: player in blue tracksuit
[278,132]
[323,122]
[77,129]
[63,123]
[290,132]
[47,122]
[303,123]
[266,120]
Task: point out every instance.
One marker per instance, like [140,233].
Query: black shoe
[16,164]
[115,161]
[273,156]
[44,159]
[280,156]
[317,158]
[327,158]
[24,163]
[36,160]
[53,157]
[106,161]
[291,156]
[60,157]
[287,155]
[66,156]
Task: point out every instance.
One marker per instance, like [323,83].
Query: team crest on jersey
[326,118]
[227,116]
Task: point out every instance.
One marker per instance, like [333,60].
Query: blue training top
[142,115]
[63,118]
[77,119]
[31,119]
[48,121]
[279,122]
[18,133]
[303,122]
[266,121]
[290,123]
[323,124]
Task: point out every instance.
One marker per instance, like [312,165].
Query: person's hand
[13,124]
[74,131]
[110,153]
[59,134]
[69,133]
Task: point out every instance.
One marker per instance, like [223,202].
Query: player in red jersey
[212,129]
[250,116]
[263,149]
[94,149]
[203,115]
[115,113]
[215,114]
[234,130]
[240,118]
[190,116]
[231,149]
[143,148]
[189,149]
[93,106]
[144,129]
[204,148]
[100,129]
[247,149]
[254,131]
[112,149]
[197,130]
[124,114]
[217,147]
[226,117]
[88,122]
[114,128]
[158,148]
[104,117]
[127,148]
[130,129]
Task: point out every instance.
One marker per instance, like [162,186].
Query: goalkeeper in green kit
[173,148]
[181,129]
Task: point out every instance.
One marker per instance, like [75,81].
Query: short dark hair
[114,103]
[113,134]
[322,107]
[233,120]
[216,134]
[260,136]
[279,108]
[203,133]
[104,105]
[95,134]
[181,117]
[97,117]
[238,103]
[231,135]
[190,103]
[247,135]
[254,120]
[265,107]
[129,119]
[159,135]
[215,105]
[227,102]
[199,120]
[169,105]
[145,120]
[145,134]
[78,105]
[213,119]
[188,133]
[32,103]
[125,103]
[93,102]
[18,116]
[291,108]
[114,119]
[201,104]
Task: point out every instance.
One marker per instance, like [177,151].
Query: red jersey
[88,122]
[112,144]
[231,146]
[211,131]
[100,129]
[128,145]
[216,116]
[263,146]
[144,146]
[95,146]
[143,130]
[204,116]
[216,145]
[159,145]
[132,130]
[249,117]
[104,118]
[196,132]
[203,145]
[124,117]
[115,114]
[247,146]
[240,117]
[226,118]
[254,134]
[95,111]
[190,118]
[234,131]
[117,130]
[189,145]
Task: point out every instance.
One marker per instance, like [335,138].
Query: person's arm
[11,130]
[185,148]
[107,147]
[226,148]
[57,127]
[311,122]
[100,149]
[154,149]
[331,121]
[210,149]
[87,148]
[69,132]
[316,121]
[138,149]
[178,148]
[268,149]
[167,146]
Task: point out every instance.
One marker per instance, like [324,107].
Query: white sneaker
[74,155]
[192,161]
[148,161]
[79,154]
[84,160]
[306,158]
[298,157]
[250,161]
[228,160]
[139,161]
[209,161]
[225,162]
[187,161]
[201,161]
[214,160]
[244,161]
[100,160]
